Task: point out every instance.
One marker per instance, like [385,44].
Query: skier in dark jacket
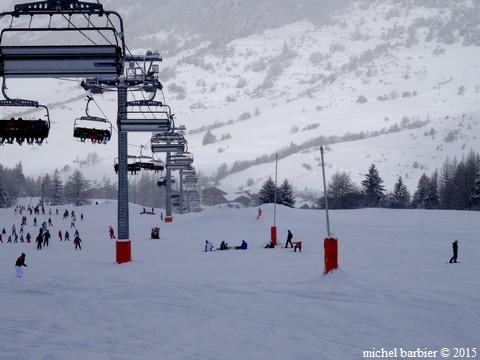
[39,241]
[18,265]
[28,237]
[77,242]
[455,252]
[289,239]
[46,238]
[67,236]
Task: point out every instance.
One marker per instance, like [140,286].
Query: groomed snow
[395,287]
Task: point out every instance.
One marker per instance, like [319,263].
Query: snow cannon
[331,254]
[273,235]
[123,251]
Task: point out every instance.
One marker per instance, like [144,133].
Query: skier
[77,242]
[72,224]
[60,235]
[455,252]
[21,229]
[56,212]
[77,233]
[35,221]
[14,229]
[39,240]
[9,239]
[1,238]
[15,239]
[67,236]
[81,216]
[208,246]
[50,212]
[289,239]
[44,226]
[28,237]
[46,238]
[43,210]
[18,265]
[21,238]
[161,216]
[111,232]
[4,232]
[50,222]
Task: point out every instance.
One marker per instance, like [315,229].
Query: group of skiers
[224,246]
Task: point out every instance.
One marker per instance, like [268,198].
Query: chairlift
[147,116]
[22,60]
[97,135]
[133,167]
[33,131]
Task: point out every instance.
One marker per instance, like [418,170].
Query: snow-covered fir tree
[267,192]
[4,200]
[373,187]
[401,195]
[476,192]
[342,192]
[287,197]
[76,189]
[56,196]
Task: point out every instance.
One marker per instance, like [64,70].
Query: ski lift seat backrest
[147,116]
[69,61]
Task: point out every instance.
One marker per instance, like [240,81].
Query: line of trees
[285,194]
[456,186]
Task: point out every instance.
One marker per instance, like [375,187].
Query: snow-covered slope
[395,287]
[385,82]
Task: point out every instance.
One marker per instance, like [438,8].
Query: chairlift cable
[93,25]
[81,32]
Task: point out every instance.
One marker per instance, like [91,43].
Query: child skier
[18,265]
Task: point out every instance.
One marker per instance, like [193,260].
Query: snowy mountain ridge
[384,82]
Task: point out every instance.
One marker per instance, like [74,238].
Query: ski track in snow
[173,301]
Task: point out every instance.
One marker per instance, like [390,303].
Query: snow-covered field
[174,301]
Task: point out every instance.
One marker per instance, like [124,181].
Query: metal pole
[123,216]
[168,192]
[325,191]
[275,201]
[181,192]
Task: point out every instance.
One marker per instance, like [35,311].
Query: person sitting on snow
[244,246]
[208,246]
[224,245]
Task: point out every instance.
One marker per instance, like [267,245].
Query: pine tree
[57,189]
[373,187]
[4,200]
[342,192]
[433,198]
[446,186]
[476,192]
[209,138]
[422,195]
[76,188]
[46,189]
[286,194]
[267,193]
[401,195]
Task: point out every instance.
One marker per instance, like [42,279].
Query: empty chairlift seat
[147,116]
[65,61]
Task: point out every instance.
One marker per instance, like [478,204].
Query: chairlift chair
[147,116]
[133,167]
[78,60]
[83,130]
[21,130]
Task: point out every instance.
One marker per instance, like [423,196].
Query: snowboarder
[289,239]
[77,242]
[111,232]
[18,265]
[208,246]
[60,235]
[67,236]
[455,252]
[28,237]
